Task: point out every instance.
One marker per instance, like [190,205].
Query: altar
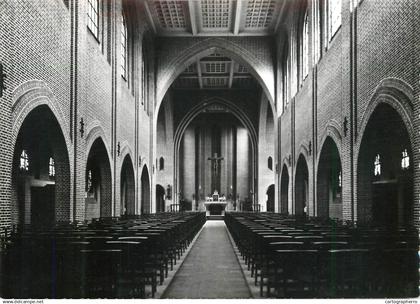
[215,205]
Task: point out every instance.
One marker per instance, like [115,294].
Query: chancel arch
[232,132]
[127,188]
[329,181]
[385,170]
[98,178]
[41,171]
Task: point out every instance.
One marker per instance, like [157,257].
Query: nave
[286,257]
[211,269]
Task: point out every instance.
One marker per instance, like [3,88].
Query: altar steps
[215,217]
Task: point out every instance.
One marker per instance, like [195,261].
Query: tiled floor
[211,269]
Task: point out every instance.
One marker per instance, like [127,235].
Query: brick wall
[382,43]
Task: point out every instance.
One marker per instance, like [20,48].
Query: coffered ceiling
[215,72]
[214,17]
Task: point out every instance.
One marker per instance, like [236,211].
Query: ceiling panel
[214,17]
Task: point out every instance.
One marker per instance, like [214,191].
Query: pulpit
[215,205]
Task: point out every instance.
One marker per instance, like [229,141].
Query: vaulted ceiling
[214,17]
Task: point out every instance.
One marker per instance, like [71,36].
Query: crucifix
[215,181]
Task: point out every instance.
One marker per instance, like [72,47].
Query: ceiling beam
[149,15]
[200,78]
[193,22]
[232,65]
[237,17]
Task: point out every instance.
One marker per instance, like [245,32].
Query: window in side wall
[93,17]
[316,31]
[377,166]
[51,167]
[124,47]
[305,46]
[334,17]
[24,161]
[286,71]
[405,160]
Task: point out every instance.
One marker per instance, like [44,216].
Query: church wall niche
[385,171]
[98,199]
[41,172]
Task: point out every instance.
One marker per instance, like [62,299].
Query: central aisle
[211,269]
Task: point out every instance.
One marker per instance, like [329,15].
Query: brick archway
[203,48]
[98,179]
[127,187]
[41,185]
[238,113]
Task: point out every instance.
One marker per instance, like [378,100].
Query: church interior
[209,149]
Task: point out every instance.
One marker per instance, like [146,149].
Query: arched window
[24,161]
[145,77]
[93,17]
[161,163]
[270,163]
[89,183]
[405,160]
[340,182]
[377,165]
[286,63]
[316,31]
[333,17]
[51,167]
[304,47]
[124,47]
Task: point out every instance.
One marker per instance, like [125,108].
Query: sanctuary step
[215,217]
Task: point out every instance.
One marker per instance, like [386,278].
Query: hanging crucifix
[215,165]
